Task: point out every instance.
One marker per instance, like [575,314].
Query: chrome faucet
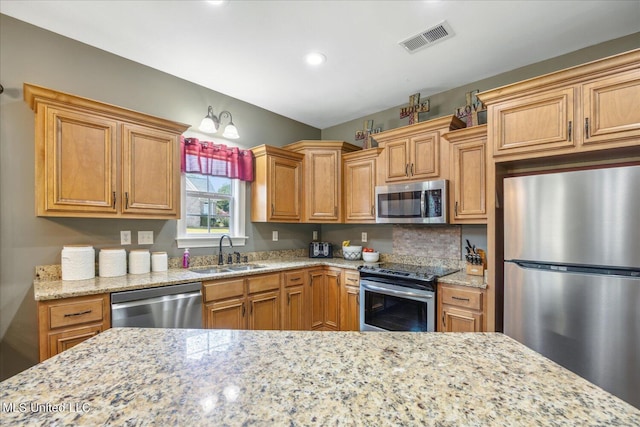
[220,257]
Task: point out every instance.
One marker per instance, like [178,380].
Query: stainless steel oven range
[399,297]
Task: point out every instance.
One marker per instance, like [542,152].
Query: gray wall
[30,54]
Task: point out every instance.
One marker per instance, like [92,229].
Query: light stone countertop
[56,289]
[278,378]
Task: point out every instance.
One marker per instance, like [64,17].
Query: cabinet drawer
[352,278]
[262,283]
[223,289]
[471,299]
[76,313]
[294,278]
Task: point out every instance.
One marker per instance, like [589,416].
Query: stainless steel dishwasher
[174,306]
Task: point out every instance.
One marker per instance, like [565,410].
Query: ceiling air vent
[428,37]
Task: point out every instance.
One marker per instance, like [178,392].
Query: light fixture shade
[207,125]
[231,132]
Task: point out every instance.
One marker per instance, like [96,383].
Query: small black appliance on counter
[320,250]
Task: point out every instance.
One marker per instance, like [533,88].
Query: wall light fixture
[211,123]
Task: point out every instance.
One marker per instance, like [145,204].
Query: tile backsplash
[440,242]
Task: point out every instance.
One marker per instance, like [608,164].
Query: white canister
[139,261]
[112,262]
[78,262]
[159,261]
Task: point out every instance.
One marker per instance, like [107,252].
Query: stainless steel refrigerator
[572,272]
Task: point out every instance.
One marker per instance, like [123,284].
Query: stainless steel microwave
[417,203]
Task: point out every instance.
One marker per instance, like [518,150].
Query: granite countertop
[220,377]
[56,289]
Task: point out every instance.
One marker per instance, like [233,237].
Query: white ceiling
[253,50]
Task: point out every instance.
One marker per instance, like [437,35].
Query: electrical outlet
[145,237]
[364,237]
[274,235]
[315,235]
[125,237]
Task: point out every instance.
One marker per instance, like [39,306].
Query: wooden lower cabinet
[324,285]
[249,303]
[295,312]
[460,308]
[227,314]
[350,304]
[67,322]
[264,311]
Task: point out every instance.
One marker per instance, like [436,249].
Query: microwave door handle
[423,205]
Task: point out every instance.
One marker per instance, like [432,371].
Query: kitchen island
[221,377]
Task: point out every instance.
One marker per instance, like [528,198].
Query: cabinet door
[469,181]
[456,320]
[317,296]
[611,109]
[75,163]
[295,309]
[228,314]
[322,185]
[538,123]
[397,160]
[264,311]
[332,300]
[359,185]
[351,309]
[284,187]
[424,156]
[64,340]
[150,172]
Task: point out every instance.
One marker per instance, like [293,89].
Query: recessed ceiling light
[216,2]
[315,58]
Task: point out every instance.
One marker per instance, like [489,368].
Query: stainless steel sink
[226,268]
[244,267]
[210,270]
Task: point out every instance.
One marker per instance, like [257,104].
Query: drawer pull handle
[351,279]
[460,299]
[78,314]
[295,279]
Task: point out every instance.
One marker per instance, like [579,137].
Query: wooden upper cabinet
[611,108]
[276,192]
[590,107]
[322,165]
[468,184]
[360,172]
[150,171]
[539,122]
[76,162]
[91,157]
[416,152]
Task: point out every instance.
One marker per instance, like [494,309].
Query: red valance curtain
[207,158]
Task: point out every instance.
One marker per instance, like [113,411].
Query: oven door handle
[393,291]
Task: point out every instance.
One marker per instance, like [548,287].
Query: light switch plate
[274,235]
[145,237]
[125,237]
[364,237]
[315,235]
